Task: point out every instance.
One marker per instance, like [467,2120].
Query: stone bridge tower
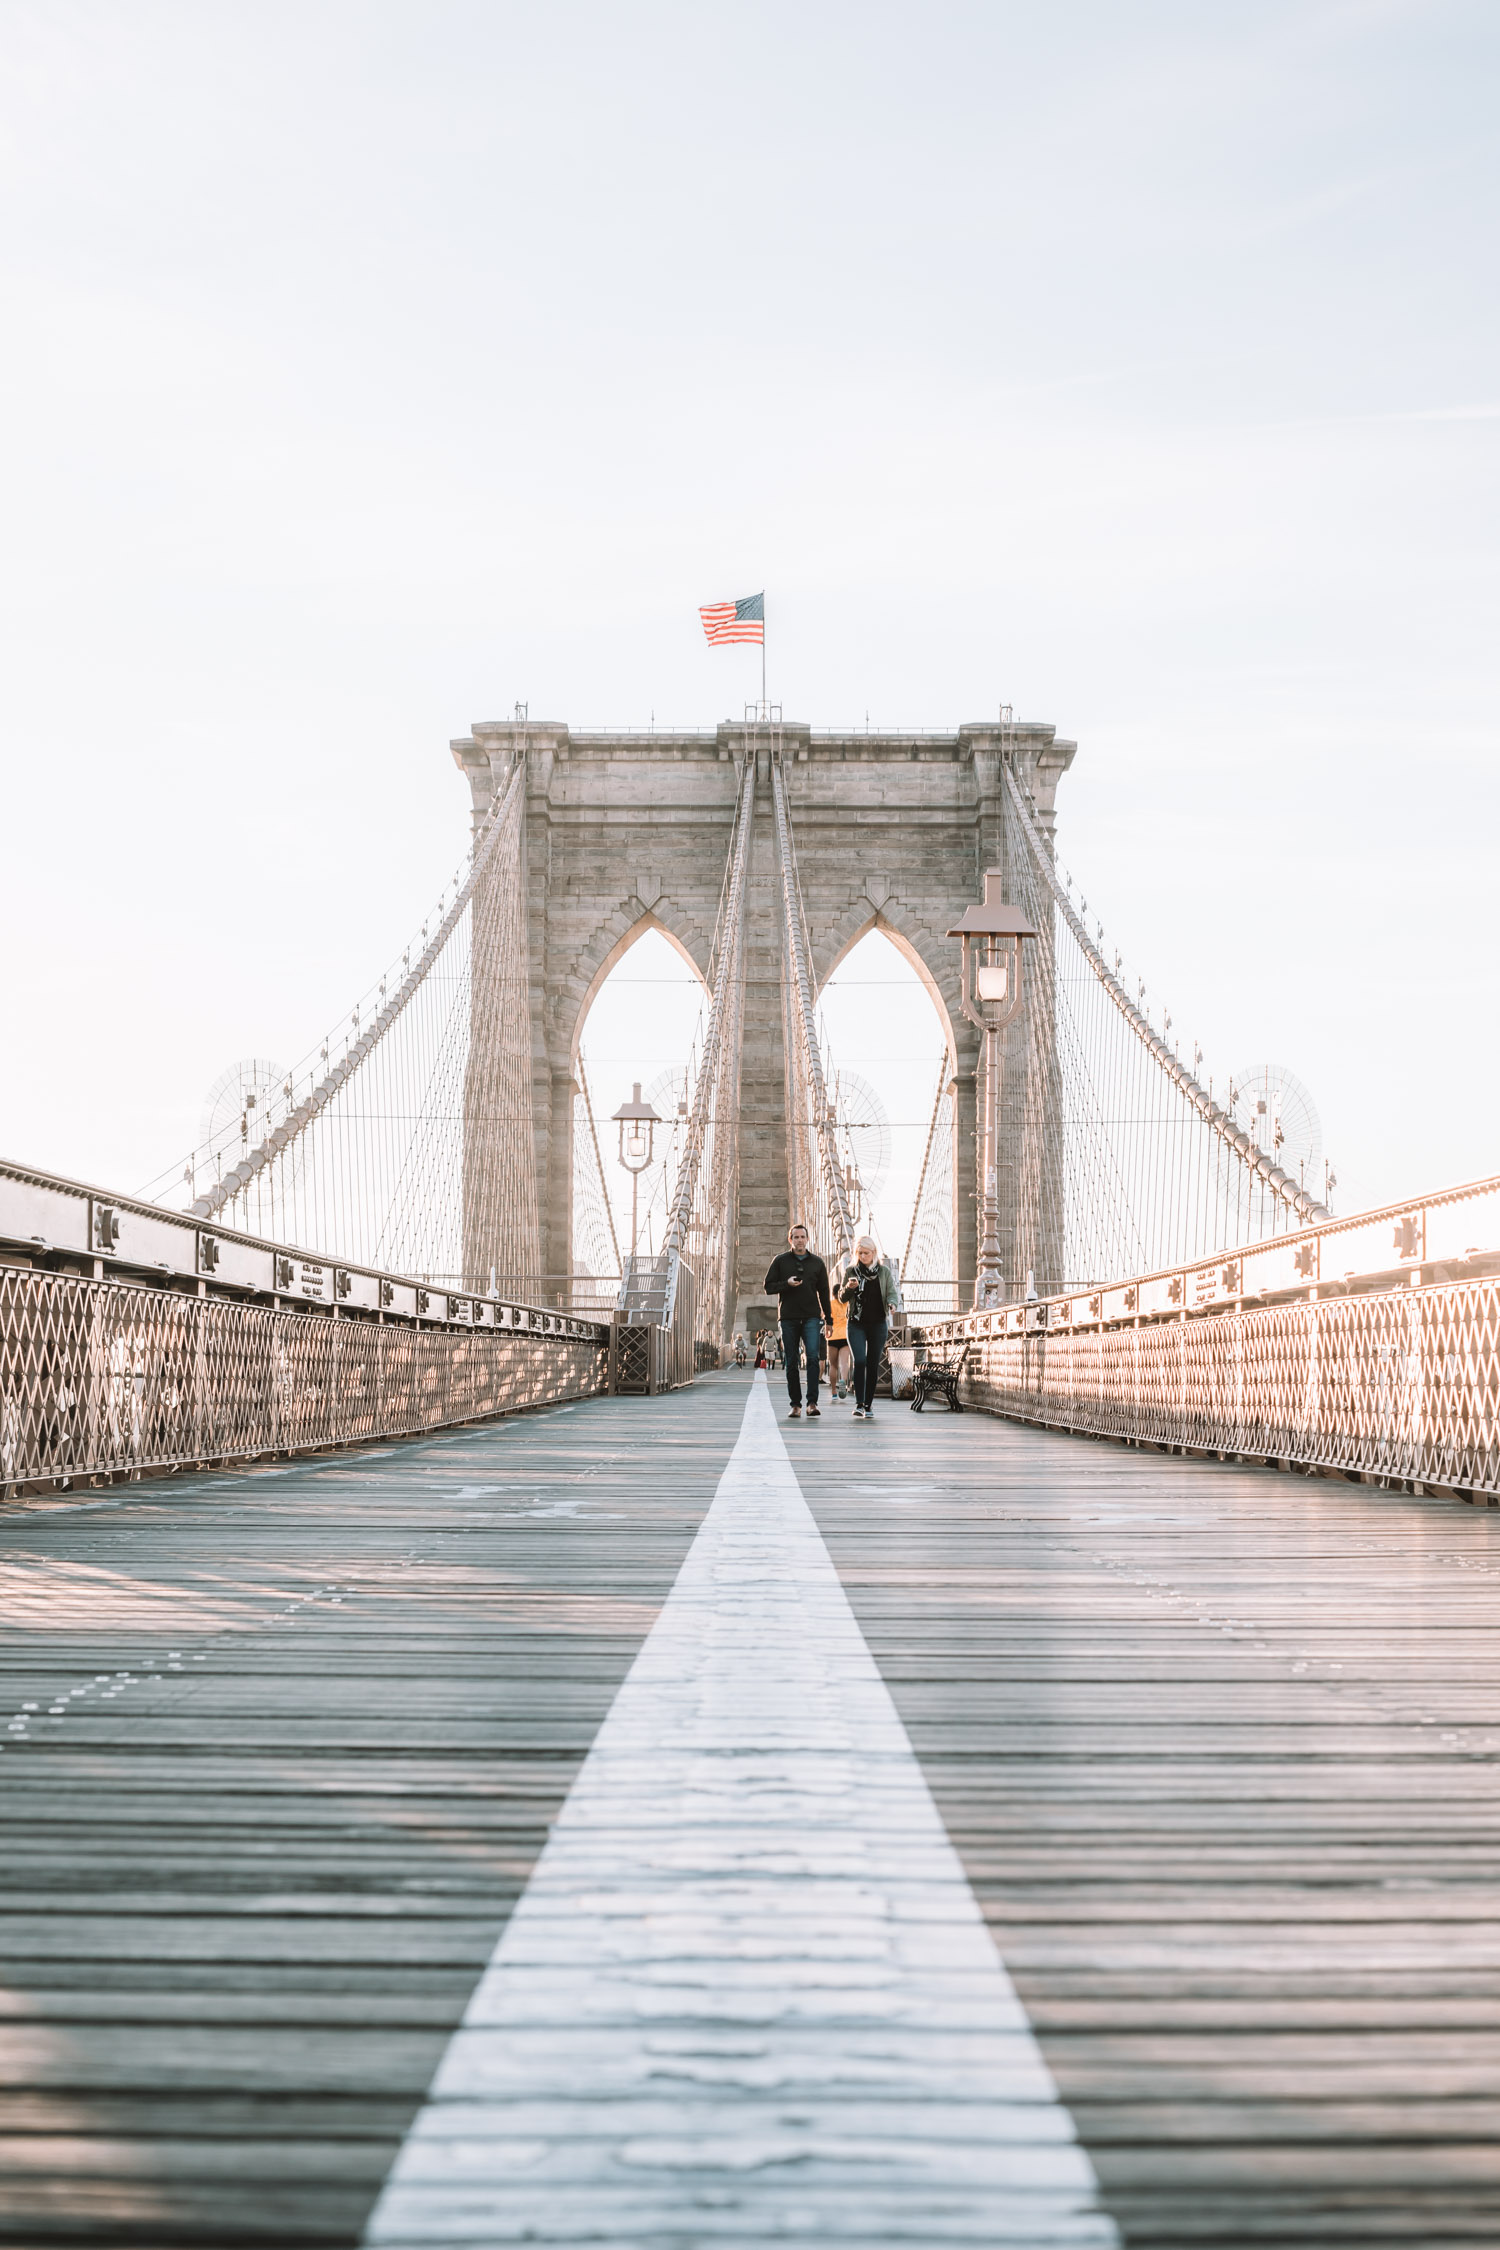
[630,832]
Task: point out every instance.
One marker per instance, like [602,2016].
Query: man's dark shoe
[795,1415]
[817,1411]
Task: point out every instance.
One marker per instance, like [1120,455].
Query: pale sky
[369,367]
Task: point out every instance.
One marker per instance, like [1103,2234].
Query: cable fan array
[412,1150]
[927,1282]
[819,1187]
[698,1247]
[596,1245]
[1114,1160]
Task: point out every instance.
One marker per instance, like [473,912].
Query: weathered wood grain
[1218,1749]
[251,1872]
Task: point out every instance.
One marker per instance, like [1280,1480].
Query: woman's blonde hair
[867,1242]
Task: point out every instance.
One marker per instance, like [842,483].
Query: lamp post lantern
[992,937]
[637,1121]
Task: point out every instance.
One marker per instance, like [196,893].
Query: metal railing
[1368,1345]
[134,1339]
[593,1296]
[926,1300]
[647,1355]
[102,1378]
[49,1221]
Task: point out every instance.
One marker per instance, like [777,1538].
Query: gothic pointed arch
[914,947]
[575,994]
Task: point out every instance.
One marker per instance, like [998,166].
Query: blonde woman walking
[869,1293]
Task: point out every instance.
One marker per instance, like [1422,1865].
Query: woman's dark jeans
[868,1347]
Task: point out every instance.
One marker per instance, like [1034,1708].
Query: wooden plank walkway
[1216,1749]
[314,1725]
[748,1994]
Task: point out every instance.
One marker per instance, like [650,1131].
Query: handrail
[50,1218]
[1432,1236]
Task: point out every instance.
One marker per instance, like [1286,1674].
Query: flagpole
[765,711]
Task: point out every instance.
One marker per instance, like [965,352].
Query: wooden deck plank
[248,1877]
[1218,1750]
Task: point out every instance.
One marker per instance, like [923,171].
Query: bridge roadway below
[1216,1749]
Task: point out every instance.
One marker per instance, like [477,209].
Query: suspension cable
[717,1074]
[276,1144]
[1237,1142]
[804,1030]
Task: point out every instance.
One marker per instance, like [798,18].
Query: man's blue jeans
[795,1334]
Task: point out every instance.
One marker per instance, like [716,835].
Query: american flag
[744,620]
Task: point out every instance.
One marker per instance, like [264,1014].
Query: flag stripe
[727,622]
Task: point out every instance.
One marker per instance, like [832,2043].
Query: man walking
[800,1280]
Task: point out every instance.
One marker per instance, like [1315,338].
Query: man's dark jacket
[801,1282]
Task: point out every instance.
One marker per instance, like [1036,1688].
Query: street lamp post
[637,1121]
[992,936]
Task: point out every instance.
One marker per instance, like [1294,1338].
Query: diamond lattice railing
[99,1377]
[1397,1383]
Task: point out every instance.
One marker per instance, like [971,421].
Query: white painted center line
[747,1994]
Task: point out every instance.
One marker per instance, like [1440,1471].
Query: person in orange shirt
[838,1349]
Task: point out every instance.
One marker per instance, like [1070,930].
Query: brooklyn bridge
[474,1774]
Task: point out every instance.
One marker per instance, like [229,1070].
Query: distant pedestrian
[800,1280]
[868,1290]
[838,1349]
